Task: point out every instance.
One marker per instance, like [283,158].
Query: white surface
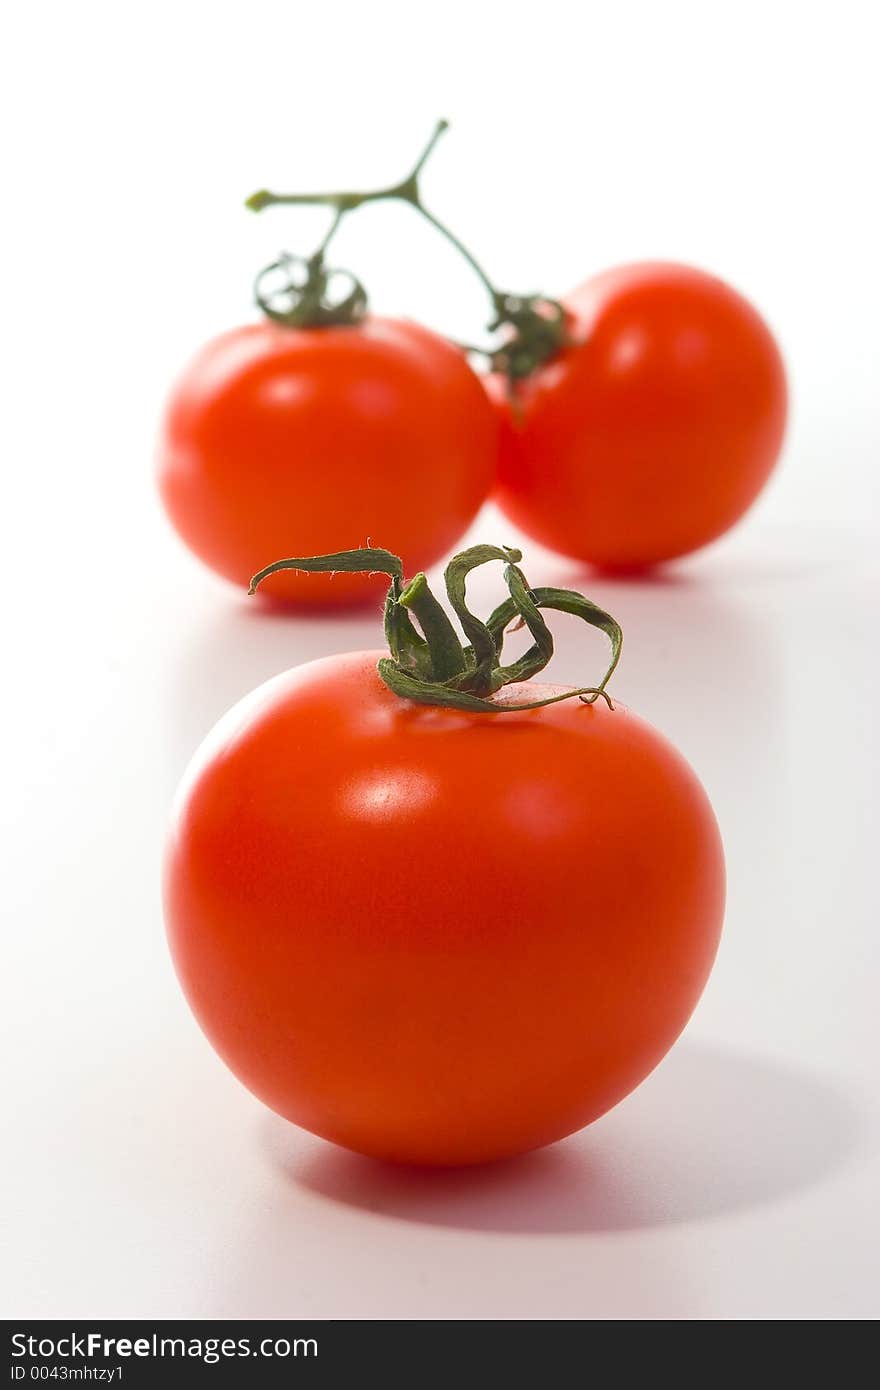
[741,1180]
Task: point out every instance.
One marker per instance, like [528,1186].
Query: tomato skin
[432,936]
[654,432]
[280,441]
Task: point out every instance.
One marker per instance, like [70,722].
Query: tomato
[433,935]
[281,441]
[654,430]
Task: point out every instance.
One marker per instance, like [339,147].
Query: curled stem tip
[366,560]
[433,666]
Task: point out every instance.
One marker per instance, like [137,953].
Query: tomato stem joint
[299,291]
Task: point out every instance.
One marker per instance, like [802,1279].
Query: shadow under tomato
[748,556]
[709,1133]
[357,606]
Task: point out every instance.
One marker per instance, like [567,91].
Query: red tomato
[435,936]
[281,441]
[655,430]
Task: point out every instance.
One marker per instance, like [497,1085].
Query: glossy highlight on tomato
[654,430]
[436,935]
[279,441]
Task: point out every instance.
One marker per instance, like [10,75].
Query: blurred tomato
[654,430]
[285,441]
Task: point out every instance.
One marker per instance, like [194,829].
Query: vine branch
[532,326]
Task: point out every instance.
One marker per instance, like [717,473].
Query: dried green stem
[433,667]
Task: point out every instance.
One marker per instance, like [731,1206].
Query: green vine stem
[433,667]
[532,326]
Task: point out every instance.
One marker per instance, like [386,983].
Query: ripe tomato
[437,936]
[277,441]
[654,431]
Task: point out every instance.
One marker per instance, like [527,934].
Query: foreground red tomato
[435,935]
[655,430]
[278,441]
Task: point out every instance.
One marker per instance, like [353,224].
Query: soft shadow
[768,556]
[711,1132]
[224,653]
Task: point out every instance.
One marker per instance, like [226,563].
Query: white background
[740,1181]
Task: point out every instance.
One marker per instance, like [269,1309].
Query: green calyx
[429,663]
[302,293]
[298,291]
